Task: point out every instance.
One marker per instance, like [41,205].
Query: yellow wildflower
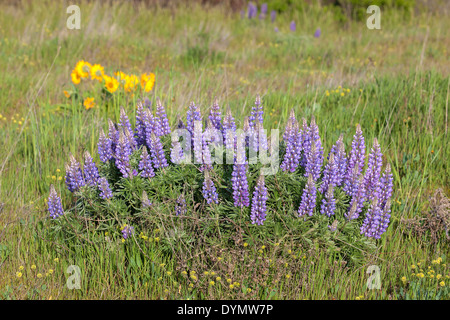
[66,93]
[89,103]
[97,72]
[18,274]
[111,83]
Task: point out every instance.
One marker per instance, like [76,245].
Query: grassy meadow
[394,82]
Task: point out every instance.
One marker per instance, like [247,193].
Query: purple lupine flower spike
[308,202]
[355,163]
[150,127]
[127,231]
[74,175]
[384,219]
[90,170]
[146,164]
[273,15]
[314,151]
[263,11]
[373,171]
[338,150]
[330,175]
[239,180]
[157,152]
[293,148]
[162,118]
[257,113]
[292,26]
[215,115]
[54,204]
[252,11]
[259,208]
[140,128]
[229,130]
[197,141]
[304,142]
[193,115]
[209,190]
[122,155]
[105,190]
[372,220]
[386,183]
[104,147]
[358,193]
[328,205]
[124,123]
[145,201]
[180,206]
[113,135]
[206,152]
[317,33]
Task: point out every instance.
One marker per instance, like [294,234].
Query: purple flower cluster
[161,118]
[180,206]
[356,161]
[215,116]
[328,205]
[259,208]
[358,193]
[209,190]
[104,147]
[90,170]
[145,164]
[257,113]
[373,171]
[124,123]
[157,151]
[330,175]
[239,181]
[74,176]
[252,11]
[193,115]
[291,138]
[229,130]
[123,153]
[308,202]
[127,231]
[54,204]
[105,190]
[313,150]
[340,157]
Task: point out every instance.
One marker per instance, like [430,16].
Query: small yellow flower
[169,273]
[438,276]
[193,277]
[289,251]
[219,258]
[218,278]
[231,286]
[213,273]
[245,244]
[33,267]
[342,94]
[106,233]
[263,247]
[157,239]
[211,283]
[184,272]
[39,275]
[18,274]
[206,273]
[403,279]
[413,267]
[249,290]
[288,276]
[162,265]
[123,240]
[89,103]
[50,271]
[357,298]
[21,268]
[229,280]
[442,283]
[236,284]
[67,94]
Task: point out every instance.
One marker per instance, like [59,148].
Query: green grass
[398,81]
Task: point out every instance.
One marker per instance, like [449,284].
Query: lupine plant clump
[139,174]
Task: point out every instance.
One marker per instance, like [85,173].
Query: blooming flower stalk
[157,152]
[180,206]
[259,208]
[215,116]
[127,231]
[373,171]
[239,181]
[229,130]
[124,123]
[314,151]
[193,115]
[257,113]
[328,205]
[359,194]
[104,147]
[145,164]
[338,150]
[356,160]
[74,175]
[308,202]
[123,153]
[330,175]
[105,190]
[161,116]
[54,204]
[90,170]
[209,190]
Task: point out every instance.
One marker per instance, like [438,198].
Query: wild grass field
[394,82]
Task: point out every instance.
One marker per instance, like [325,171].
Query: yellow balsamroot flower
[111,83]
[147,81]
[121,76]
[97,72]
[75,77]
[131,82]
[82,68]
[89,103]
